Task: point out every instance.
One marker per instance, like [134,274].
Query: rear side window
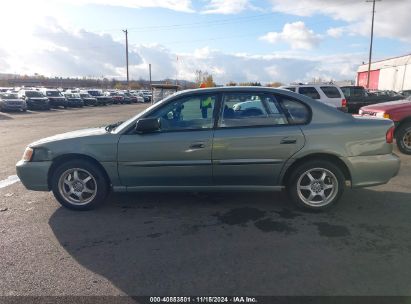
[309,92]
[296,112]
[246,110]
[331,92]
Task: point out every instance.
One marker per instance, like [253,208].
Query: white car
[328,94]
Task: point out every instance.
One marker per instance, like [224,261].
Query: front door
[179,154]
[253,140]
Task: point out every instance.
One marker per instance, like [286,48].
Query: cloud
[63,51]
[267,67]
[176,5]
[227,7]
[336,32]
[296,34]
[3,60]
[391,17]
[72,53]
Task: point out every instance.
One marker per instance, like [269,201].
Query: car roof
[309,85]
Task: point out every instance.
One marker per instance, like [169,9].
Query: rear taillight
[389,137]
[344,102]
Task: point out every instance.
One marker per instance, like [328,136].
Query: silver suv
[328,94]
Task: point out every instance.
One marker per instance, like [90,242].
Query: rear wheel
[79,185]
[403,138]
[316,185]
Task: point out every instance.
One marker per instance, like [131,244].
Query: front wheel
[316,185]
[79,185]
[403,138]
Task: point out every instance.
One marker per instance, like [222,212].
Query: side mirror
[147,125]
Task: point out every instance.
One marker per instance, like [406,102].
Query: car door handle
[197,146]
[288,141]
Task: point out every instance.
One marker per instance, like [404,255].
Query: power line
[208,23]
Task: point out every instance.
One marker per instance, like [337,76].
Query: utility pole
[151,86]
[372,36]
[126,32]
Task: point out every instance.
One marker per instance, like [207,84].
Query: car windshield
[9,96]
[53,93]
[85,95]
[33,94]
[69,95]
[95,93]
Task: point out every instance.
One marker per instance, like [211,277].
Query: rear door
[252,143]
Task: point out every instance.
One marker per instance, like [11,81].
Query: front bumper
[42,105]
[372,170]
[58,102]
[34,175]
[12,107]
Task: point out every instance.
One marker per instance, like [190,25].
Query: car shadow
[229,243]
[5,117]
[12,113]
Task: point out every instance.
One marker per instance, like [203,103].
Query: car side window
[309,92]
[187,113]
[331,92]
[244,110]
[296,112]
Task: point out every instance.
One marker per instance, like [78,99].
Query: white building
[389,74]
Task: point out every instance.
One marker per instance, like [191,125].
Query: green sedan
[205,140]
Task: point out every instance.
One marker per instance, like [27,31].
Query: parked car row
[346,98]
[46,98]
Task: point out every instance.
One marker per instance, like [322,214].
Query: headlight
[28,154]
[383,115]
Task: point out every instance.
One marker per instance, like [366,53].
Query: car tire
[403,138]
[84,190]
[316,185]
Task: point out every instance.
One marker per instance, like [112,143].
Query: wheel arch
[401,123]
[74,156]
[317,156]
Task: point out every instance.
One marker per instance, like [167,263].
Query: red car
[398,111]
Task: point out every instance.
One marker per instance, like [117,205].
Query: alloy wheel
[77,186]
[317,187]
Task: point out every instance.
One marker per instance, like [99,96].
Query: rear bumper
[34,175]
[372,170]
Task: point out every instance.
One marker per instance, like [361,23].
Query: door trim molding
[249,161]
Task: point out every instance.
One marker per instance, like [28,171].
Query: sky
[234,40]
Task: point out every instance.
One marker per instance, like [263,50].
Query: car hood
[37,98]
[13,100]
[70,135]
[391,105]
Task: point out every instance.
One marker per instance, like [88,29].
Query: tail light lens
[344,102]
[389,137]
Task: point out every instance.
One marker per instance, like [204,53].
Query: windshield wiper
[112,126]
